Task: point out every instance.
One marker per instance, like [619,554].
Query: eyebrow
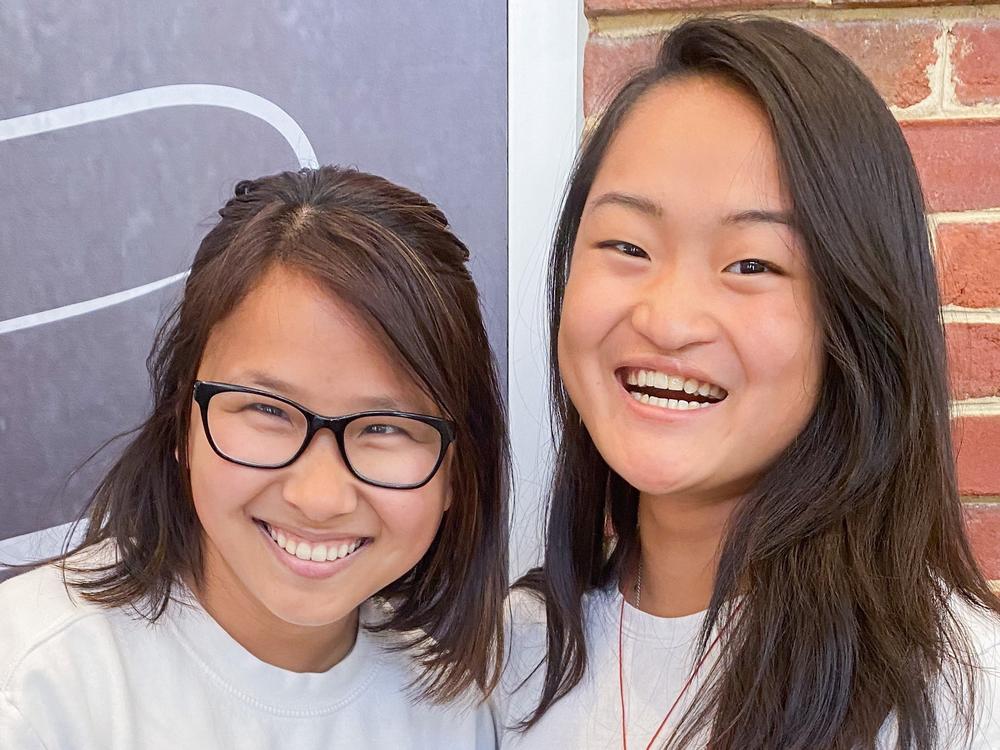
[267,382]
[760,216]
[654,209]
[628,200]
[376,403]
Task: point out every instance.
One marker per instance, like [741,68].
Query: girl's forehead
[289,330]
[694,135]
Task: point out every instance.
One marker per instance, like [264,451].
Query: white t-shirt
[659,655]
[75,676]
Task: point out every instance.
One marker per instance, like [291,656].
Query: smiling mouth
[669,391]
[314,551]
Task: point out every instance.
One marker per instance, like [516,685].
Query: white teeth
[673,403]
[314,552]
[636,395]
[645,398]
[655,379]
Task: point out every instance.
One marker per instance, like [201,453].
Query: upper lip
[669,366]
[314,537]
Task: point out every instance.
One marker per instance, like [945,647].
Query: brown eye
[625,248]
[268,410]
[748,266]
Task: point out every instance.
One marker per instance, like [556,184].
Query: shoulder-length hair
[851,545]
[389,254]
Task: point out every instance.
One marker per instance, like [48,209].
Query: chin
[310,617]
[653,475]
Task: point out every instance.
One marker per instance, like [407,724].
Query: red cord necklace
[621,670]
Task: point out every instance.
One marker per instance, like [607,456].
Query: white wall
[544,120]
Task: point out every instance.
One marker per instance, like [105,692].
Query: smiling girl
[750,390]
[287,552]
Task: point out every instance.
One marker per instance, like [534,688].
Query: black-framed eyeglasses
[392,449]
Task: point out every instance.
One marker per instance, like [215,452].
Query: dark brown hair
[391,256]
[851,546]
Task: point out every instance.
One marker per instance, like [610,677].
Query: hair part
[856,547]
[390,255]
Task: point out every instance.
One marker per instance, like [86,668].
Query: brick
[982,524]
[977,449]
[975,58]
[968,258]
[899,3]
[597,7]
[974,359]
[608,63]
[895,55]
[957,161]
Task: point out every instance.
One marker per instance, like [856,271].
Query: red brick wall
[937,64]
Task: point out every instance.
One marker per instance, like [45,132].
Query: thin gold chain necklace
[621,668]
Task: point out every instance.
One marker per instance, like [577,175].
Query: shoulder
[979,628]
[41,613]
[466,721]
[526,638]
[526,611]
[525,662]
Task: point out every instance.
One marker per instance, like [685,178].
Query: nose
[675,310]
[319,483]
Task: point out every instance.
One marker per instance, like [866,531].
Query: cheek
[588,315]
[784,359]
[219,488]
[412,518]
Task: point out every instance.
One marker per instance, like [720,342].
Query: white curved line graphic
[79,308]
[120,105]
[159,97]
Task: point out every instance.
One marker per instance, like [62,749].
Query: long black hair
[851,545]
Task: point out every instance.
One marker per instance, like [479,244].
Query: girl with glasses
[750,390]
[305,543]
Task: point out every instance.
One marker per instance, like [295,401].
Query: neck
[680,539]
[296,648]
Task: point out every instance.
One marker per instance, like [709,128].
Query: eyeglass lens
[262,431]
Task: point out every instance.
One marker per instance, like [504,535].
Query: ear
[446,467]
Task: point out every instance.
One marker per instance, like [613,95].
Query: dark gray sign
[124,126]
